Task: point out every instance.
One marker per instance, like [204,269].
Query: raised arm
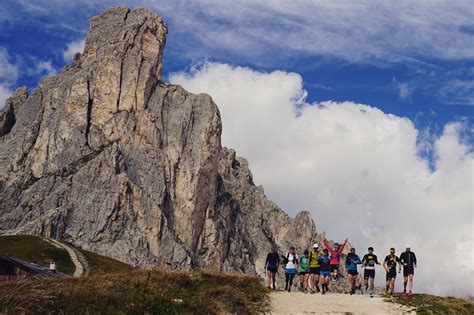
[342,247]
[328,247]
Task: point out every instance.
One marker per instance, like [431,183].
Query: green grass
[138,292]
[431,304]
[36,250]
[101,264]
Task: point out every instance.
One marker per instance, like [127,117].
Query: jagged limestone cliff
[109,157]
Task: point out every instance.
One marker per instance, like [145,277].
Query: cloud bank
[357,169]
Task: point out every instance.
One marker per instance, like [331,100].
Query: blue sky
[396,71]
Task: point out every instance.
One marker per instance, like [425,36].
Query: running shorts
[369,273]
[333,267]
[352,272]
[392,274]
[325,273]
[408,270]
[272,269]
[314,270]
[291,271]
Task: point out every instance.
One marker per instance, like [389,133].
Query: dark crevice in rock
[120,85]
[138,80]
[90,101]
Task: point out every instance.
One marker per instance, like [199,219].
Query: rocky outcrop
[112,159]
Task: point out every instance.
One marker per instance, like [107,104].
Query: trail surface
[332,303]
[77,258]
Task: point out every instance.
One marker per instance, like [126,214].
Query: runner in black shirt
[408,260]
[271,265]
[390,265]
[369,261]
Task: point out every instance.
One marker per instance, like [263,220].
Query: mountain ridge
[109,157]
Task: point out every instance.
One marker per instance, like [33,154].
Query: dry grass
[138,292]
[432,304]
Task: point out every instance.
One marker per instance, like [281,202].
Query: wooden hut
[12,268]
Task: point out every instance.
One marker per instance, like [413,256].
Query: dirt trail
[332,303]
[77,258]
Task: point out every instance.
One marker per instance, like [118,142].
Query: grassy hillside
[101,264]
[138,292]
[34,249]
[431,304]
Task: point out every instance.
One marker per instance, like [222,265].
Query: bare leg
[311,282]
[405,280]
[410,285]
[317,282]
[274,280]
[349,278]
[269,276]
[372,284]
[392,286]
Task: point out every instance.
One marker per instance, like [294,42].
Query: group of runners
[320,266]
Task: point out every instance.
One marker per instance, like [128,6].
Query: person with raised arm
[335,257]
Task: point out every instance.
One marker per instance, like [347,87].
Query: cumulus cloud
[8,75]
[357,169]
[72,48]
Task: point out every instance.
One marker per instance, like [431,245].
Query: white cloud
[458,92]
[73,48]
[404,91]
[43,67]
[259,31]
[356,168]
[8,71]
[8,75]
[5,92]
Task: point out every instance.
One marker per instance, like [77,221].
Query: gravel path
[77,258]
[332,303]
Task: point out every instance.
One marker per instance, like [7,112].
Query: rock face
[109,157]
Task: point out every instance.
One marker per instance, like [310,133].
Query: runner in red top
[335,257]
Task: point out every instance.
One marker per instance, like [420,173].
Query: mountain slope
[110,158]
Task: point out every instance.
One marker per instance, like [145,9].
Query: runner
[352,260]
[335,257]
[271,266]
[290,268]
[304,271]
[368,262]
[390,265]
[324,263]
[314,269]
[408,260]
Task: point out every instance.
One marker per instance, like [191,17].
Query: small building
[12,268]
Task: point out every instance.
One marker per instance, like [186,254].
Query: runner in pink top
[335,257]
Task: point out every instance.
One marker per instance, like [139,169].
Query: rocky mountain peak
[109,157]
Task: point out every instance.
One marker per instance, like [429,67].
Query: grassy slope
[34,249]
[138,292]
[431,304]
[101,264]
